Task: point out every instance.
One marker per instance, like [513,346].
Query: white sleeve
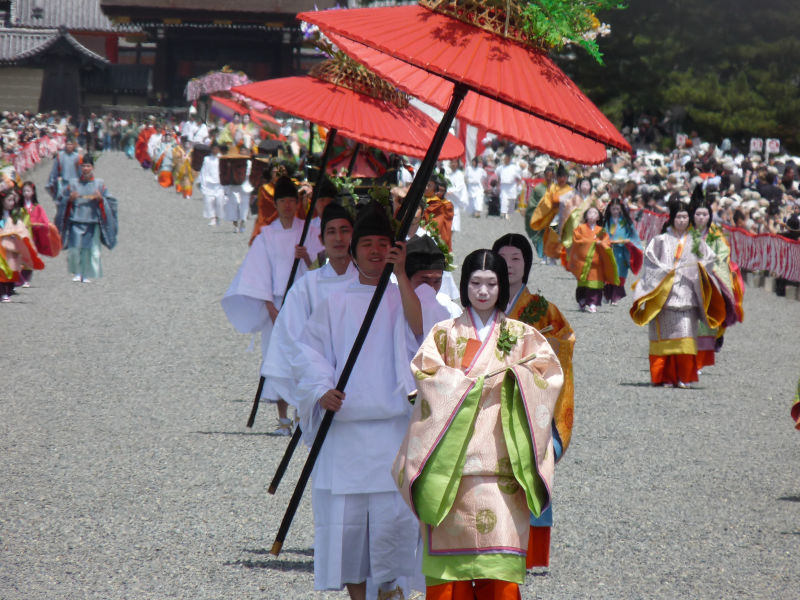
[244,301]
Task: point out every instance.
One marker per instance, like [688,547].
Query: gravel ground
[127,471]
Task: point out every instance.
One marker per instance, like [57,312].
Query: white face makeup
[616,211]
[681,223]
[483,290]
[701,218]
[516,264]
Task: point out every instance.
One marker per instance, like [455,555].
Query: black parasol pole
[353,158]
[413,197]
[309,215]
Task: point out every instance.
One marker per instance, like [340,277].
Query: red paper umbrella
[512,124]
[484,62]
[368,120]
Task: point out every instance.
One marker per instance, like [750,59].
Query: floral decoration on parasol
[214,81]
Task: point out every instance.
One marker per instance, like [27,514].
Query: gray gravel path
[127,471]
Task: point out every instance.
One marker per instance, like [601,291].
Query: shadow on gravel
[277,564]
[636,383]
[790,498]
[234,433]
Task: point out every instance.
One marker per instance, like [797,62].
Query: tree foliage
[732,66]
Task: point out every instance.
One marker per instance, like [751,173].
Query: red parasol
[483,62]
[518,126]
[374,122]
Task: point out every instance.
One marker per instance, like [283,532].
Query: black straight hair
[517,241]
[485,260]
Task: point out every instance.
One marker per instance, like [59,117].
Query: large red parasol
[483,62]
[515,125]
[374,122]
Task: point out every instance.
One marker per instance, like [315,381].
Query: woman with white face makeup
[482,379]
[677,288]
[709,340]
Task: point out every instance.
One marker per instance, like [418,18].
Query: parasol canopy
[515,125]
[486,63]
[226,108]
[368,120]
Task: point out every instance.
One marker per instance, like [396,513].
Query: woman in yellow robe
[544,316]
[548,208]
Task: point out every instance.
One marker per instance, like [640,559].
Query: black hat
[285,188]
[423,254]
[561,171]
[87,159]
[371,220]
[332,212]
[327,189]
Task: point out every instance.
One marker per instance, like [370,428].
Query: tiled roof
[75,15]
[18,44]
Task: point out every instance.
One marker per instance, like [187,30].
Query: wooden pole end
[276,548]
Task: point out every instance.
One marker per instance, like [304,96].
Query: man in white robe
[476,177]
[457,192]
[425,265]
[361,526]
[256,293]
[303,297]
[213,191]
[510,177]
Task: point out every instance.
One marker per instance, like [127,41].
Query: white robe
[458,196]
[509,177]
[303,297]
[359,527]
[262,277]
[476,180]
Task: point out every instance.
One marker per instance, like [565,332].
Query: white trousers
[508,197]
[361,536]
[213,198]
[237,203]
[476,196]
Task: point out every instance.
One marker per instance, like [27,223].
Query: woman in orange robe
[591,261]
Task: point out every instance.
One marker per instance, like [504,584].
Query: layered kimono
[709,340]
[45,234]
[536,237]
[592,262]
[441,211]
[478,457]
[546,212]
[544,316]
[182,171]
[262,277]
[676,290]
[164,165]
[267,212]
[66,166]
[141,148]
[85,223]
[17,251]
[627,249]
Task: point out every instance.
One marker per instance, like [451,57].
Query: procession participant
[256,293]
[237,196]
[539,190]
[86,217]
[439,209]
[591,261]
[709,340]
[546,211]
[544,316]
[153,144]
[66,166]
[37,218]
[676,290]
[425,265]
[142,144]
[163,164]
[182,170]
[478,456]
[266,200]
[476,178]
[456,191]
[626,245]
[510,178]
[213,193]
[362,528]
[201,134]
[17,252]
[327,194]
[571,210]
[336,230]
